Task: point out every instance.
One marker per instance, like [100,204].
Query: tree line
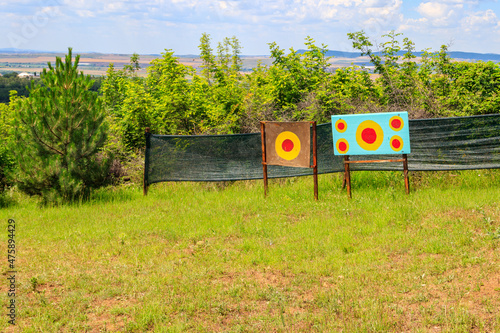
[175,99]
[65,138]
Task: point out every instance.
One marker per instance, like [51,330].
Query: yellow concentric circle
[340,126]
[396,123]
[342,146]
[282,150]
[369,135]
[396,143]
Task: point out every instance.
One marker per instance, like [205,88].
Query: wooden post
[264,163]
[146,164]
[347,172]
[315,160]
[405,171]
[347,175]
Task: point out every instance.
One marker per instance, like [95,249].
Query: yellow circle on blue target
[342,146]
[341,126]
[396,143]
[369,135]
[396,123]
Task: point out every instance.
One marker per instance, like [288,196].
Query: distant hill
[22,51]
[471,56]
[475,56]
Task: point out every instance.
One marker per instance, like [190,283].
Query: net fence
[436,144]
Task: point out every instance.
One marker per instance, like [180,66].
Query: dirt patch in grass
[110,315]
[470,291]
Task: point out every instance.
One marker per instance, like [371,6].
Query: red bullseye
[396,123]
[341,126]
[287,145]
[369,135]
[342,146]
[396,144]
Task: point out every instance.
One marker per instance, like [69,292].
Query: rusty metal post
[405,168]
[145,184]
[347,175]
[264,163]
[315,160]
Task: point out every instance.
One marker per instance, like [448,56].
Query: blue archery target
[371,134]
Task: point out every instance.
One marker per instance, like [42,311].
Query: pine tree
[60,131]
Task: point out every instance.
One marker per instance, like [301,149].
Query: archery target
[287,145]
[371,134]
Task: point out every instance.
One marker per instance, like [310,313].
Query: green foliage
[296,86]
[209,67]
[399,80]
[59,131]
[161,101]
[353,92]
[437,86]
[300,86]
[6,156]
[11,81]
[218,93]
[168,85]
[474,88]
[294,76]
[173,98]
[178,99]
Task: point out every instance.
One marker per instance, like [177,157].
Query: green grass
[203,257]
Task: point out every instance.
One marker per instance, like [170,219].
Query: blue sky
[151,26]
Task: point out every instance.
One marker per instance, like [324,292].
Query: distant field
[97,64]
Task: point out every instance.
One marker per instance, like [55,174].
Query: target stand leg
[264,161]
[347,175]
[405,171]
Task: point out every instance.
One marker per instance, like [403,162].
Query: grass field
[203,257]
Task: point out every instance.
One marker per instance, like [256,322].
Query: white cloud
[433,9]
[85,13]
[442,14]
[383,9]
[413,24]
[480,20]
[170,23]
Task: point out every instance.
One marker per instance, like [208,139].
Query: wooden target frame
[347,171]
[287,125]
[371,134]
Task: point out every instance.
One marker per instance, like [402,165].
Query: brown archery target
[288,143]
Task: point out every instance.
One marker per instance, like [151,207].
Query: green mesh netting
[436,144]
